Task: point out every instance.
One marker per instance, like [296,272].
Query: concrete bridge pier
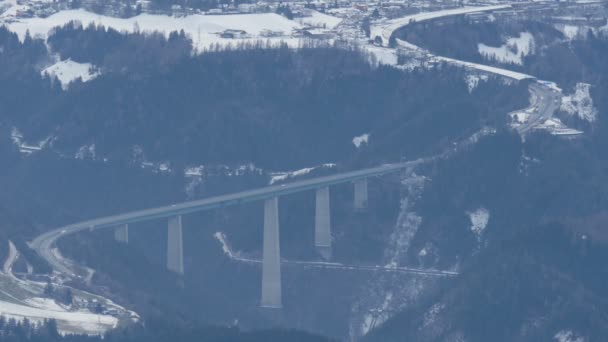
[271,263]
[323,223]
[175,245]
[360,201]
[121,233]
[406,173]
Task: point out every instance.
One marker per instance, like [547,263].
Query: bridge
[383,32]
[271,260]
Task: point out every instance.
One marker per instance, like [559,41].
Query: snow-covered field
[22,298]
[67,321]
[202,29]
[382,55]
[68,71]
[514,49]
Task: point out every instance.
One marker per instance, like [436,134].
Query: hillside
[496,235]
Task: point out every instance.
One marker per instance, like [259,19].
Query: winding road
[545,100]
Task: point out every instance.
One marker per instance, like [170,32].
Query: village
[345,20]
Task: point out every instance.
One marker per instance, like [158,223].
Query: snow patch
[551,123]
[245,169]
[194,171]
[379,315]
[195,179]
[512,51]
[68,71]
[567,336]
[580,103]
[556,127]
[361,139]
[221,237]
[375,306]
[431,315]
[381,56]
[479,221]
[68,322]
[520,117]
[571,32]
[86,152]
[551,85]
[473,81]
[281,176]
[317,19]
[157,167]
[25,148]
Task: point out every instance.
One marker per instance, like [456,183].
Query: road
[44,244]
[10,259]
[545,101]
[386,30]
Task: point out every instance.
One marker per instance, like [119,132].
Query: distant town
[353,17]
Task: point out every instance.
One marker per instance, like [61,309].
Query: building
[233,34]
[246,8]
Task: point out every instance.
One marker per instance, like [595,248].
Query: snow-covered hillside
[21,298]
[512,51]
[203,29]
[68,71]
[386,294]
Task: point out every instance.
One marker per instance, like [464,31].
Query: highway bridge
[271,261]
[383,32]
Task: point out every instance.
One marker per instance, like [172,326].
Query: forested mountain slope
[536,272]
[159,125]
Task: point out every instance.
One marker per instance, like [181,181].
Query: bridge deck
[237,198]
